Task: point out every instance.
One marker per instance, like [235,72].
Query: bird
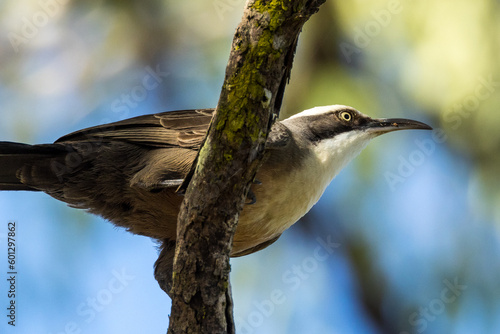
[129,171]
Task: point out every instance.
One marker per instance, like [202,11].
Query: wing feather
[184,128]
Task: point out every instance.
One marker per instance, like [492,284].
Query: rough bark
[257,72]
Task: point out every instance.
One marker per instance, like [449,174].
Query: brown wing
[183,128]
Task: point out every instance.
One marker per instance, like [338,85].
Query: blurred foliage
[431,60]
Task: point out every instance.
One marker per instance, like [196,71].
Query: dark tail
[16,156]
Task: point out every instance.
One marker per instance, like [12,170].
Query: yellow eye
[346,116]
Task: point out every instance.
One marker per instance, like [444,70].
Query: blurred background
[405,240]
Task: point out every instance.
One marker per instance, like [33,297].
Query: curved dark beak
[384,125]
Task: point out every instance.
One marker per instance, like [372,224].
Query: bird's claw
[251,196]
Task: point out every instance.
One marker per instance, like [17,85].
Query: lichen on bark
[258,69]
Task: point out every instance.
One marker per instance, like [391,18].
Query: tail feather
[14,157]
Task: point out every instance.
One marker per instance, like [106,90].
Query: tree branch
[257,72]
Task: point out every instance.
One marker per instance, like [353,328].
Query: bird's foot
[251,196]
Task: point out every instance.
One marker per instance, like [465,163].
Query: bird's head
[339,133]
